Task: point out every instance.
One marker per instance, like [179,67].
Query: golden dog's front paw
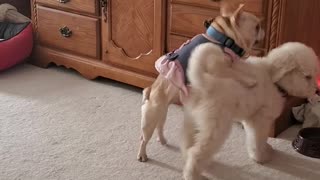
[162,140]
[142,157]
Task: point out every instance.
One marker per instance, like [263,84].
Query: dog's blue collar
[225,41]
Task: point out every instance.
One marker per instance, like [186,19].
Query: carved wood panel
[276,11]
[135,33]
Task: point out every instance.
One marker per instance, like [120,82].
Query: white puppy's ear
[281,68]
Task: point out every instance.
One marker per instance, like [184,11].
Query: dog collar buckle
[225,41]
[228,43]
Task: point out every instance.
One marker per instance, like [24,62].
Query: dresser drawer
[83,39]
[188,20]
[87,6]
[174,42]
[254,6]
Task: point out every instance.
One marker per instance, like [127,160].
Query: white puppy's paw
[263,156]
[190,173]
[190,176]
[268,153]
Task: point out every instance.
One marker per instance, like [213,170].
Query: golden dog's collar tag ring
[225,41]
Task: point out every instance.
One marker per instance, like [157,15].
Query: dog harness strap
[183,54]
[173,65]
[225,41]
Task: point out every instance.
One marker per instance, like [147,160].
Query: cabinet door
[134,34]
[300,22]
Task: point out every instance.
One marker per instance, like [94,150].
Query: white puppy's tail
[202,63]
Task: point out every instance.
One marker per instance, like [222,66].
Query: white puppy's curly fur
[215,102]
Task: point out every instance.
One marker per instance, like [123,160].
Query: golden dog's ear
[281,68]
[230,8]
[238,10]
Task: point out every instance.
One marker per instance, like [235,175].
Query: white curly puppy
[215,102]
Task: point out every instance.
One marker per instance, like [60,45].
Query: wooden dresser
[121,39]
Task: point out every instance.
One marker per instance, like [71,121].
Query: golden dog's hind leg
[156,101]
[170,96]
[160,125]
[153,113]
[146,94]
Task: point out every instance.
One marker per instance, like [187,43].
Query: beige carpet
[54,124]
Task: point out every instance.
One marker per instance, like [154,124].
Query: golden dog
[243,28]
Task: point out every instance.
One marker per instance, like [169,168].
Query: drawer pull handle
[104,3]
[63,1]
[65,32]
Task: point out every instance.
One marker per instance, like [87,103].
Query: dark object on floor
[307,142]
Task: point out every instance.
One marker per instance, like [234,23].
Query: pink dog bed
[16,43]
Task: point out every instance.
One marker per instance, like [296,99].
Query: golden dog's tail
[203,62]
[146,94]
